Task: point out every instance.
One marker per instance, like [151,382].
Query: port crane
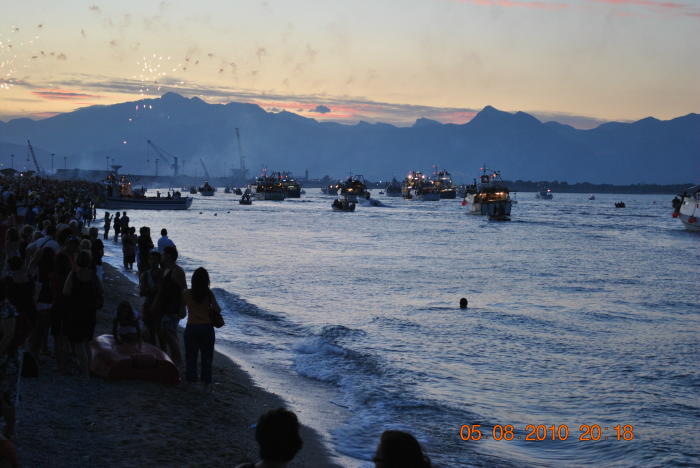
[39,171]
[173,160]
[241,173]
[206,173]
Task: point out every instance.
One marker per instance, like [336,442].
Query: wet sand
[73,421]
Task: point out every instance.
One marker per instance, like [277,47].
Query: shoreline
[72,421]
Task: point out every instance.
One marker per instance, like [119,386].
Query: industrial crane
[173,160]
[36,163]
[206,173]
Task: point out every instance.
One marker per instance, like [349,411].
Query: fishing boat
[121,196]
[331,189]
[393,189]
[689,210]
[343,204]
[268,187]
[592,197]
[207,190]
[354,187]
[417,186]
[193,190]
[444,185]
[490,197]
[545,194]
[291,186]
[227,189]
[238,191]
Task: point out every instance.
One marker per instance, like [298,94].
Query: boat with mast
[443,184]
[292,188]
[268,187]
[120,195]
[490,197]
[354,187]
[394,188]
[418,186]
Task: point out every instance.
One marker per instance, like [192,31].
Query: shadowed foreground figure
[277,434]
[399,449]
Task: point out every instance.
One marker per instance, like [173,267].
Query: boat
[545,194]
[331,189]
[193,190]
[207,190]
[131,361]
[689,210]
[445,186]
[291,186]
[620,204]
[490,197]
[393,189]
[418,186]
[246,199]
[227,189]
[354,187]
[592,197]
[238,191]
[268,187]
[121,196]
[343,204]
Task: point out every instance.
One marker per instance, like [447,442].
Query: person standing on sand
[277,435]
[169,304]
[149,282]
[199,332]
[129,247]
[9,362]
[84,290]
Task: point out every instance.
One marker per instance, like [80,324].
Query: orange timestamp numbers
[540,432]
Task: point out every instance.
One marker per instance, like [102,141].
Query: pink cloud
[62,95]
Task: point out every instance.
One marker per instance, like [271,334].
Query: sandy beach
[72,421]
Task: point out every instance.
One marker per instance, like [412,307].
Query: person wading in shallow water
[117,226]
[170,305]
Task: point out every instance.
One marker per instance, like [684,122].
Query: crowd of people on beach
[51,288]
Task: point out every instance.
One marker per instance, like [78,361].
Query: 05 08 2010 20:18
[543,432]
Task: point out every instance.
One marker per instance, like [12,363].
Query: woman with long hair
[398,449]
[199,332]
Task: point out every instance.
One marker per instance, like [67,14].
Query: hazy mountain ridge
[518,144]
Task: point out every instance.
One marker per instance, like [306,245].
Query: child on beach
[126,327]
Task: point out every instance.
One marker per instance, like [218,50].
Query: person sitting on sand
[398,449]
[277,435]
[126,327]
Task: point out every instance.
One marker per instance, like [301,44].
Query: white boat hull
[690,213]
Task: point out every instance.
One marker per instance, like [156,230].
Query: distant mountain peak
[171,96]
[423,122]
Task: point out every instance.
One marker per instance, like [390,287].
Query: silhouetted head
[200,284]
[94,232]
[154,258]
[84,259]
[169,255]
[163,232]
[399,449]
[463,303]
[277,434]
[125,312]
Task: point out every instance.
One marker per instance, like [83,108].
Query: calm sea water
[579,314]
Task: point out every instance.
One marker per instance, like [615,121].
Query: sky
[579,62]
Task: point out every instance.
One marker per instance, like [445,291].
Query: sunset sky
[575,61]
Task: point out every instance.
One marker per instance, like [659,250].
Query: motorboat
[417,186]
[121,196]
[490,197]
[246,199]
[445,186]
[353,187]
[207,190]
[269,187]
[393,189]
[689,210]
[292,188]
[545,194]
[343,204]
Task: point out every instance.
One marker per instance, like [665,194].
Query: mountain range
[517,144]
